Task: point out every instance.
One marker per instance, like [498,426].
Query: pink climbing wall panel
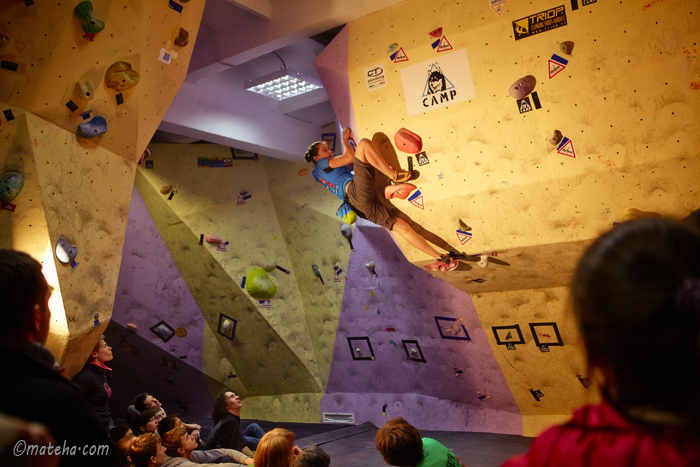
[448,383]
[332,67]
[151,289]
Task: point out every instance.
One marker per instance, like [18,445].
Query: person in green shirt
[400,444]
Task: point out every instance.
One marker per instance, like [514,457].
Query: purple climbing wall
[427,370]
[332,68]
[151,289]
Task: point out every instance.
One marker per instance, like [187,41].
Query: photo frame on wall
[546,334]
[329,139]
[508,335]
[450,328]
[361,348]
[163,331]
[227,326]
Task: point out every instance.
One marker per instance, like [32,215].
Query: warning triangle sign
[240,201]
[498,6]
[416,199]
[444,45]
[265,303]
[400,56]
[463,236]
[566,148]
[221,246]
[418,202]
[555,68]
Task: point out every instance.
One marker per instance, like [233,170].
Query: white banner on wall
[437,83]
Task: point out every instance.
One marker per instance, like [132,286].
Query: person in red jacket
[636,298]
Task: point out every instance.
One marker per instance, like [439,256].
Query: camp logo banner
[438,83]
[539,22]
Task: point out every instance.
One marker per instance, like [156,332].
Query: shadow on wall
[140,366]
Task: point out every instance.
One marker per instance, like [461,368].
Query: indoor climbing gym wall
[218,273]
[541,126]
[412,345]
[83,86]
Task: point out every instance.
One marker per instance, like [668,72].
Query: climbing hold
[464,226]
[131,327]
[346,213]
[183,38]
[4,39]
[346,230]
[212,239]
[317,271]
[146,154]
[358,351]
[86,14]
[121,77]
[96,321]
[556,138]
[270,266]
[259,285]
[436,32]
[370,268]
[484,261]
[95,127]
[11,185]
[280,268]
[164,190]
[85,90]
[586,382]
[65,252]
[407,141]
[522,87]
[392,47]
[181,332]
[633,213]
[566,47]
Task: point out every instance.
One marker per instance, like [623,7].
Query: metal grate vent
[338,418]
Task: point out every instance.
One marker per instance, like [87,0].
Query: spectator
[31,387]
[92,380]
[173,421]
[146,401]
[147,421]
[637,306]
[227,426]
[123,446]
[147,451]
[276,449]
[180,449]
[14,430]
[119,432]
[400,444]
[313,456]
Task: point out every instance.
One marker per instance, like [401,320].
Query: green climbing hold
[11,185]
[259,285]
[509,336]
[86,14]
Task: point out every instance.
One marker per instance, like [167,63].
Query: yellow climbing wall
[282,354]
[628,98]
[80,188]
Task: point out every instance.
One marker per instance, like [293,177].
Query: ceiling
[236,42]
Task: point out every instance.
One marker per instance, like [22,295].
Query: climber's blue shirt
[335,179]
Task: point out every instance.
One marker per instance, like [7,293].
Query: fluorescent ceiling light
[283,84]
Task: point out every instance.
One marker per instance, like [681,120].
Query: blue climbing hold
[95,127]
